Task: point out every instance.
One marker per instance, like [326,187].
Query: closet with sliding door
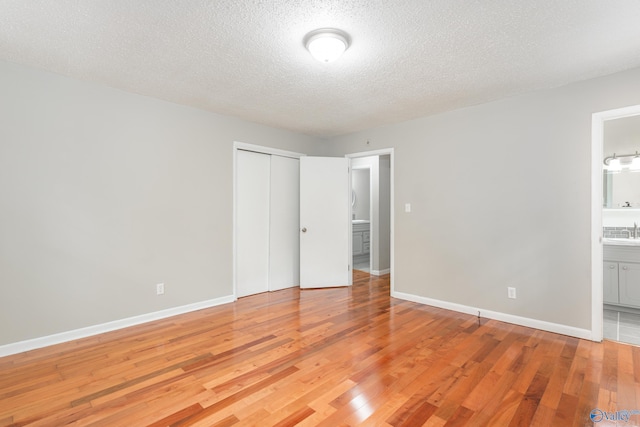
[267,222]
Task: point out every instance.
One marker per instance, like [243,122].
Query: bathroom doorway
[371,213]
[615,310]
[361,189]
[621,239]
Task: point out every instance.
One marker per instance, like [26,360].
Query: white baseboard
[32,344]
[381,272]
[495,315]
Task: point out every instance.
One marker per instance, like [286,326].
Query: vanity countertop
[360,221]
[620,241]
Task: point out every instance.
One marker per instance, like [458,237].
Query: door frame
[390,153]
[597,256]
[237,145]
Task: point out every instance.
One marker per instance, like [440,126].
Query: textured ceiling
[245,58]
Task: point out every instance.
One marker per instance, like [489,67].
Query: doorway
[273,192]
[620,216]
[372,213]
[361,211]
[385,158]
[604,283]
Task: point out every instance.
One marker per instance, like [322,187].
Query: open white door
[324,222]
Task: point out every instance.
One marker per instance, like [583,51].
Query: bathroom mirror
[621,190]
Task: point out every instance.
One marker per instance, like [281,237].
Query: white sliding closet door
[284,240]
[253,171]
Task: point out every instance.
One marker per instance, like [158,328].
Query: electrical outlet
[511,293]
[160,289]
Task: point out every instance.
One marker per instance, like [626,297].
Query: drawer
[360,227]
[622,253]
[365,236]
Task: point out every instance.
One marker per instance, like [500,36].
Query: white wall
[106,193]
[620,217]
[622,136]
[496,203]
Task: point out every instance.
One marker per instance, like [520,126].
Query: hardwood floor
[331,357]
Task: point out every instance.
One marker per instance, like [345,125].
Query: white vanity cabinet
[357,243]
[622,275]
[361,238]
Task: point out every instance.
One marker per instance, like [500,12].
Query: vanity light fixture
[614,164]
[326,44]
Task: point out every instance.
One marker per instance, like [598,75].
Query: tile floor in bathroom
[362,266]
[621,326]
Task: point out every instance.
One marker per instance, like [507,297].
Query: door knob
[304,229]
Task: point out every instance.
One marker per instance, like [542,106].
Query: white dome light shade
[327,44]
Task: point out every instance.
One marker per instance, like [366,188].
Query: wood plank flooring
[330,357]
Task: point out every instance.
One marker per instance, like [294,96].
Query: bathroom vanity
[622,272]
[361,239]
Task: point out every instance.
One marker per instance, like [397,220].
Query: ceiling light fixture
[326,44]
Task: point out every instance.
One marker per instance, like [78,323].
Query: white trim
[32,344]
[495,315]
[597,298]
[597,153]
[350,227]
[390,153]
[381,152]
[374,223]
[380,272]
[266,150]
